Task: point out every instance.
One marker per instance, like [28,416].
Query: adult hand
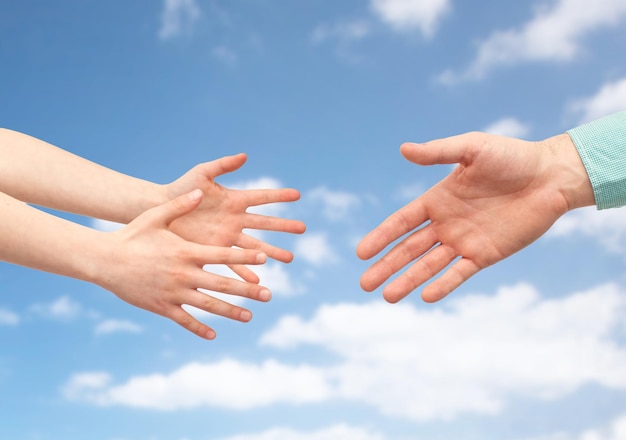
[151,267]
[222,216]
[504,194]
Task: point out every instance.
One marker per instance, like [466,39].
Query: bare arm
[144,263]
[37,172]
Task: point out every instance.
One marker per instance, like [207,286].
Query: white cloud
[554,34]
[609,99]
[315,249]
[117,326]
[616,430]
[510,127]
[480,350]
[472,354]
[606,227]
[82,385]
[403,15]
[178,16]
[9,318]
[64,309]
[227,384]
[336,205]
[335,432]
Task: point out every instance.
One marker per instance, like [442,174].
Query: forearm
[32,238]
[34,171]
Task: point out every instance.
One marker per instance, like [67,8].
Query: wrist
[93,260]
[568,172]
[144,196]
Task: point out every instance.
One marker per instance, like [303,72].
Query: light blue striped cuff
[602,148]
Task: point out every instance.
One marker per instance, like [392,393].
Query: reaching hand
[222,216]
[149,266]
[504,194]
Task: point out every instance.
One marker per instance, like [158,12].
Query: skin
[504,194]
[155,262]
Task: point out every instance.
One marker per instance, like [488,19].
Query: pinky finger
[245,273]
[185,320]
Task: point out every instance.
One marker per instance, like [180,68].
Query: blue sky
[320,95]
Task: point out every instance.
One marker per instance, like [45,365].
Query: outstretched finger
[245,273]
[256,197]
[215,306]
[230,286]
[421,271]
[185,320]
[279,254]
[206,254]
[278,224]
[408,250]
[452,278]
[393,227]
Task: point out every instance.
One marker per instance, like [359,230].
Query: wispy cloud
[63,308]
[225,55]
[335,432]
[408,15]
[342,31]
[399,15]
[556,33]
[515,343]
[315,248]
[336,205]
[9,318]
[609,99]
[110,326]
[178,17]
[508,126]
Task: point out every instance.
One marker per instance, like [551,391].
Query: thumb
[181,205]
[223,165]
[454,149]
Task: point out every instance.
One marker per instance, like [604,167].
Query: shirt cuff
[602,148]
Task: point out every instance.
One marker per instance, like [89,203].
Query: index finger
[256,197]
[393,227]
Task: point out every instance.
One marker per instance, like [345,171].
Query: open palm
[500,198]
[223,215]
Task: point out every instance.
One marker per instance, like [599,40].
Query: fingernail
[210,334]
[195,195]
[245,316]
[265,295]
[261,258]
